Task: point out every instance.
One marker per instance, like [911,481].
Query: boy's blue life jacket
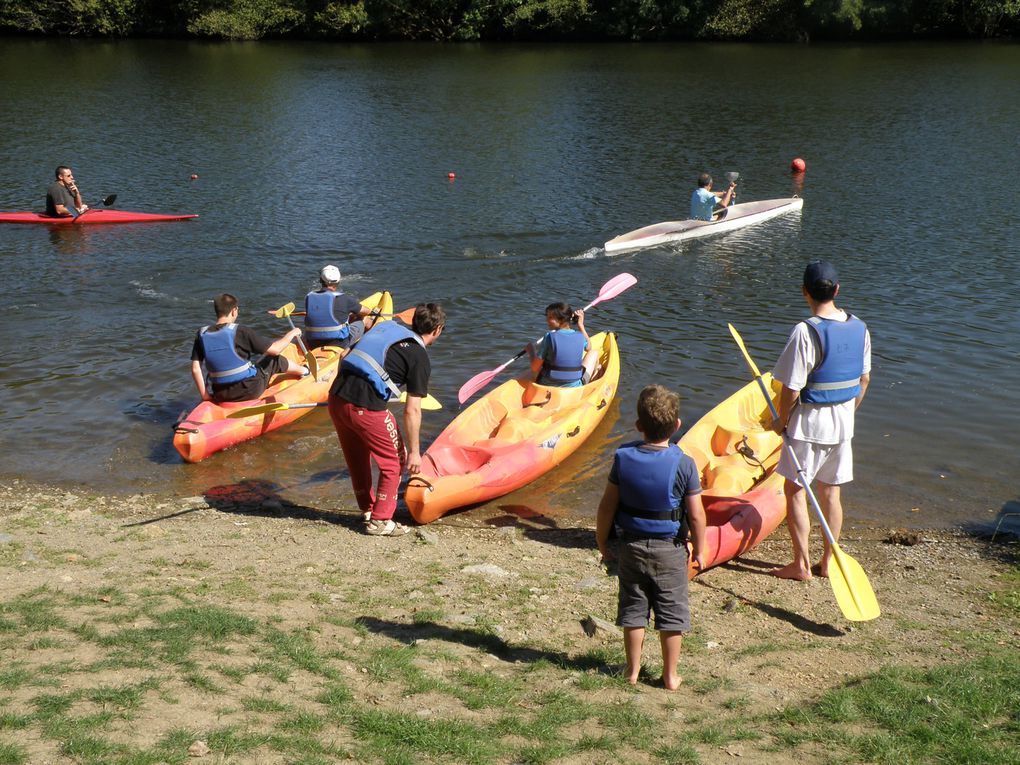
[563,362]
[838,377]
[222,361]
[320,321]
[367,358]
[648,507]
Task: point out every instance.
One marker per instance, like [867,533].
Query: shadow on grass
[796,620]
[486,641]
[1002,533]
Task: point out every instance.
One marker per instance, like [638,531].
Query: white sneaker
[387,528]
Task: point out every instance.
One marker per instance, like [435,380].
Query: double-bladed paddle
[430,403]
[107,201]
[284,312]
[609,290]
[850,584]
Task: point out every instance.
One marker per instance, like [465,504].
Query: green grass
[12,755]
[398,738]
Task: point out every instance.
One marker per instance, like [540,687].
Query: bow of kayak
[509,437]
[92,217]
[208,428]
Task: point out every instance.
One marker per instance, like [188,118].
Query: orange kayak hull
[207,429]
[514,434]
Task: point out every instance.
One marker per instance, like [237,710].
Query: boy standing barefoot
[654,497]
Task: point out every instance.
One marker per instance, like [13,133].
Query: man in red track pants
[390,356]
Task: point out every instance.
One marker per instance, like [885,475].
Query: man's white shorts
[829,463]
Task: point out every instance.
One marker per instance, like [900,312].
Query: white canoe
[737,216]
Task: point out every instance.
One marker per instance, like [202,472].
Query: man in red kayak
[825,370]
[390,356]
[62,197]
[226,350]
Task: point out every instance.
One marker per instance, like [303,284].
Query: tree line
[461,20]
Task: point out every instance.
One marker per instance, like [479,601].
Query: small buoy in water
[194,176]
[798,165]
[451,176]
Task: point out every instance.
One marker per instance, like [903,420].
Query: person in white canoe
[704,200]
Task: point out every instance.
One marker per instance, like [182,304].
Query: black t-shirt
[408,366]
[247,343]
[57,194]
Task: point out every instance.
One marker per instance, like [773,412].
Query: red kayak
[90,217]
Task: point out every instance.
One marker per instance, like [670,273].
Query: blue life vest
[838,377]
[222,361]
[320,321]
[367,359]
[648,507]
[562,365]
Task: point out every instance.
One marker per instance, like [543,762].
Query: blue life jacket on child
[838,377]
[367,359]
[648,507]
[320,321]
[222,361]
[562,365]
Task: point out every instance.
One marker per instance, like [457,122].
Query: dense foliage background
[515,19]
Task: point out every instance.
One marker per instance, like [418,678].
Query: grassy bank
[133,631]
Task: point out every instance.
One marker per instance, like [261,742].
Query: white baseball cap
[330,275]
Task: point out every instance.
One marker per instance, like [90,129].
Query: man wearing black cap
[825,369]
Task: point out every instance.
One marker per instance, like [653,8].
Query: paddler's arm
[787,400]
[865,382]
[412,427]
[199,378]
[365,310]
[696,522]
[280,345]
[579,315]
[604,520]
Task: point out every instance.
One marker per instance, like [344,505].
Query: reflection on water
[308,154]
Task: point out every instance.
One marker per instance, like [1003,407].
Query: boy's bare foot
[632,680]
[821,569]
[792,571]
[671,683]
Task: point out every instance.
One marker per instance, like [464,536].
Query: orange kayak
[737,457]
[207,429]
[509,437]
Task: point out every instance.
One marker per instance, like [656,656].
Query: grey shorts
[653,577]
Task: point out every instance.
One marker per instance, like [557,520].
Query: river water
[315,153]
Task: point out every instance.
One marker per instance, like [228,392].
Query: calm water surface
[311,153]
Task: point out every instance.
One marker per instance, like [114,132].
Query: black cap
[820,271]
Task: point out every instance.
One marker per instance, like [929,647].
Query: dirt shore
[406,625]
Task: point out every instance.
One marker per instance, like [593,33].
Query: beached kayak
[737,216]
[91,217]
[207,428]
[509,437]
[737,457]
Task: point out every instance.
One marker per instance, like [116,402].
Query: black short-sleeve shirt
[247,343]
[57,194]
[407,364]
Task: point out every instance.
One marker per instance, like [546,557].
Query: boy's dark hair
[562,312]
[428,317]
[60,170]
[704,181]
[821,280]
[224,304]
[658,409]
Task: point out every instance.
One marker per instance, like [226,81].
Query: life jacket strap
[235,371]
[393,389]
[841,385]
[650,515]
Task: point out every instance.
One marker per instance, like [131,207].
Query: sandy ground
[499,597]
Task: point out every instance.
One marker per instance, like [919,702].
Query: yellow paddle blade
[251,411]
[283,311]
[743,349]
[429,403]
[312,363]
[851,587]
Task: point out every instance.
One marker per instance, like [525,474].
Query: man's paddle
[107,201]
[609,290]
[429,403]
[850,584]
[732,178]
[310,361]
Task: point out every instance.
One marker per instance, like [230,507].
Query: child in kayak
[564,357]
[653,497]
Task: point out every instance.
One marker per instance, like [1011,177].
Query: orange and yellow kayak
[509,437]
[737,455]
[207,428]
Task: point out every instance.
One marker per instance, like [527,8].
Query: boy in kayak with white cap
[226,350]
[825,370]
[329,313]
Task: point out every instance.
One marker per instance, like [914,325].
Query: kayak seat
[458,460]
[517,429]
[729,476]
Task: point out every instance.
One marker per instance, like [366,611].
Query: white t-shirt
[816,423]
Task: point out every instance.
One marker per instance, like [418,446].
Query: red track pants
[364,436]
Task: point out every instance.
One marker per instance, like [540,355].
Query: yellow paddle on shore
[429,403]
[284,312]
[850,584]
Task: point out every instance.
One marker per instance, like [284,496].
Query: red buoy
[798,165]
[451,176]
[194,176]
